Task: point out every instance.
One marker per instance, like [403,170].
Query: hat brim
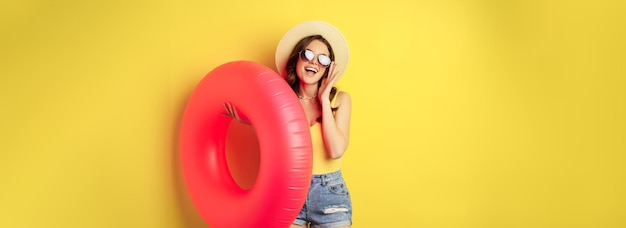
[295,34]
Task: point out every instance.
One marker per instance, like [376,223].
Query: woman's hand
[231,112]
[328,82]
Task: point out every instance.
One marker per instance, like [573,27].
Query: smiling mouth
[311,69]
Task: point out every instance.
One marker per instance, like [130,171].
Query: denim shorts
[328,202]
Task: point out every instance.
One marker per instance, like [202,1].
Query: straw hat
[308,28]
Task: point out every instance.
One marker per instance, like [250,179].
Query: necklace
[306,98]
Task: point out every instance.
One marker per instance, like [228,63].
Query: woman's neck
[307,92]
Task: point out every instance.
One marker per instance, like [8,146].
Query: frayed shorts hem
[327,225]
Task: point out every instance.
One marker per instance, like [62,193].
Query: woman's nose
[315,61]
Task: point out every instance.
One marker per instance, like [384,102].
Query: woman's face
[311,71]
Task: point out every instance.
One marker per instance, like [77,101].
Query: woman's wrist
[325,103]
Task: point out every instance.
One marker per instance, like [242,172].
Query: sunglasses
[308,55]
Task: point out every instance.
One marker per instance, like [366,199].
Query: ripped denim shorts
[328,202]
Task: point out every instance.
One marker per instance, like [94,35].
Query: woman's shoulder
[342,95]
[341,98]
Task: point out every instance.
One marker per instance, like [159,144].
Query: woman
[307,59]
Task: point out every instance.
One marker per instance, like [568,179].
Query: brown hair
[292,78]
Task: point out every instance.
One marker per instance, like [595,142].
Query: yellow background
[465,113]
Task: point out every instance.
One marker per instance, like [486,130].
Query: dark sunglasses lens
[307,55]
[324,60]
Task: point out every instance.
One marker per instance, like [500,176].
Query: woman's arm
[336,128]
